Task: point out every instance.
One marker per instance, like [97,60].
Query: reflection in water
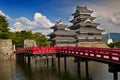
[10,70]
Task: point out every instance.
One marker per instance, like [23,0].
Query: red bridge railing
[103,54]
[37,50]
[44,50]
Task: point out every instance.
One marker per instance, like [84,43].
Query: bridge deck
[104,54]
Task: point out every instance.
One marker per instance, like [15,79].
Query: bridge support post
[29,60]
[22,58]
[78,66]
[79,69]
[78,60]
[65,63]
[87,69]
[114,68]
[52,61]
[59,62]
[115,75]
[44,61]
[17,57]
[47,61]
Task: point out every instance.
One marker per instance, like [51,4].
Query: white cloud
[23,23]
[108,14]
[40,19]
[40,23]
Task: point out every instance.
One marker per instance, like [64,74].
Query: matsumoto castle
[83,31]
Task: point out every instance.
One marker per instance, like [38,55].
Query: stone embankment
[6,49]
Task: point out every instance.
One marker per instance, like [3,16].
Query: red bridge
[111,55]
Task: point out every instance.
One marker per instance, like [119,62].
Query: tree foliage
[19,37]
[114,45]
[41,40]
[3,24]
[3,28]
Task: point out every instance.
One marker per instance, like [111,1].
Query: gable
[88,21]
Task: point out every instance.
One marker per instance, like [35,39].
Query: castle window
[88,26]
[90,33]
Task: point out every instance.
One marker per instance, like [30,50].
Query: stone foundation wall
[87,44]
[93,44]
[29,43]
[66,45]
[6,49]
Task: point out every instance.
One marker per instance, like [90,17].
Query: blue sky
[40,15]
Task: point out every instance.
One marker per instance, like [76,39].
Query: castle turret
[61,36]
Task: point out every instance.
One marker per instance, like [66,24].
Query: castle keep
[83,32]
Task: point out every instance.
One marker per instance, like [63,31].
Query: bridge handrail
[107,54]
[41,50]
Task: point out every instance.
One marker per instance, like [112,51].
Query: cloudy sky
[40,15]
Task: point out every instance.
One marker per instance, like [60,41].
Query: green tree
[3,28]
[3,24]
[111,45]
[117,44]
[114,45]
[27,34]
[19,37]
[41,40]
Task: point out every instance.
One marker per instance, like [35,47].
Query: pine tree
[3,28]
[3,24]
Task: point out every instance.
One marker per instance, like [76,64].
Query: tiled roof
[59,24]
[83,17]
[67,41]
[83,9]
[63,32]
[63,38]
[89,30]
[78,25]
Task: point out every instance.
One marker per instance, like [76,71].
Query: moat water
[12,70]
